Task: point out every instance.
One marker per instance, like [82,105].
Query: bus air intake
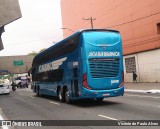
[103,68]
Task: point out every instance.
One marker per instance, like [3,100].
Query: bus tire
[66,96]
[99,99]
[60,95]
[37,91]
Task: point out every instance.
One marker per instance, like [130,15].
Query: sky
[38,28]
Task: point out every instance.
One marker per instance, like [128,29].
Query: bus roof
[76,33]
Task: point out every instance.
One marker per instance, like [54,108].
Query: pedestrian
[134,77]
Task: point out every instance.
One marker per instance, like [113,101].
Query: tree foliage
[34,53]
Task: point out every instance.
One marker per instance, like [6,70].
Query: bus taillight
[85,84]
[122,83]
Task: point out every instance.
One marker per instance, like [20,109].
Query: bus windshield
[102,38]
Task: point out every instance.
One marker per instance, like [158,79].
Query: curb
[142,91]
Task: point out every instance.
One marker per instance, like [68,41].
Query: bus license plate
[107,94]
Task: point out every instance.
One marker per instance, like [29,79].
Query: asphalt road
[25,105]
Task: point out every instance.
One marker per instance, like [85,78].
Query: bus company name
[103,54]
[51,65]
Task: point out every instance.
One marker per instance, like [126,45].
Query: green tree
[33,53]
[42,50]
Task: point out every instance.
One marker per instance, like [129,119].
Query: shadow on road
[93,103]
[84,103]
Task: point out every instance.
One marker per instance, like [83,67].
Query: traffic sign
[18,63]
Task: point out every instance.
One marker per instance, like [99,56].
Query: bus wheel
[60,95]
[99,99]
[37,90]
[67,100]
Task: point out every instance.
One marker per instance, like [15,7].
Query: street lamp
[67,29]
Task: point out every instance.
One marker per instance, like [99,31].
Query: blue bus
[85,65]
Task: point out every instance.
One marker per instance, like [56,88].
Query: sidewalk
[142,87]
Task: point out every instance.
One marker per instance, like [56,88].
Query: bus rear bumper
[102,93]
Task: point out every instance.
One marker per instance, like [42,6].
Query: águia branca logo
[51,65]
[103,54]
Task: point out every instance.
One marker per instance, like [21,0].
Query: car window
[1,85]
[18,78]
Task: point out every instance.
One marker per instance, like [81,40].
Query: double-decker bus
[87,64]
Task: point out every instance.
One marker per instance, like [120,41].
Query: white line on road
[108,117]
[142,96]
[20,93]
[32,97]
[54,103]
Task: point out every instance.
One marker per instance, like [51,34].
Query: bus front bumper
[102,93]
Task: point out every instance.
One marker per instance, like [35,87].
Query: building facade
[138,22]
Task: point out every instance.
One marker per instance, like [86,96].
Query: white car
[4,88]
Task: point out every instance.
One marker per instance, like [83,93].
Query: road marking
[158,106]
[108,117]
[20,93]
[32,97]
[142,96]
[54,103]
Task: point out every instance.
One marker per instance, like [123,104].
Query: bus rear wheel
[99,99]
[60,95]
[37,91]
[66,95]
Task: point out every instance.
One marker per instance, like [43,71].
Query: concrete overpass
[9,12]
[15,64]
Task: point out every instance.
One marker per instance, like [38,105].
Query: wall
[147,66]
[135,19]
[6,63]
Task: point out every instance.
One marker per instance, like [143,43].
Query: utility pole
[91,19]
